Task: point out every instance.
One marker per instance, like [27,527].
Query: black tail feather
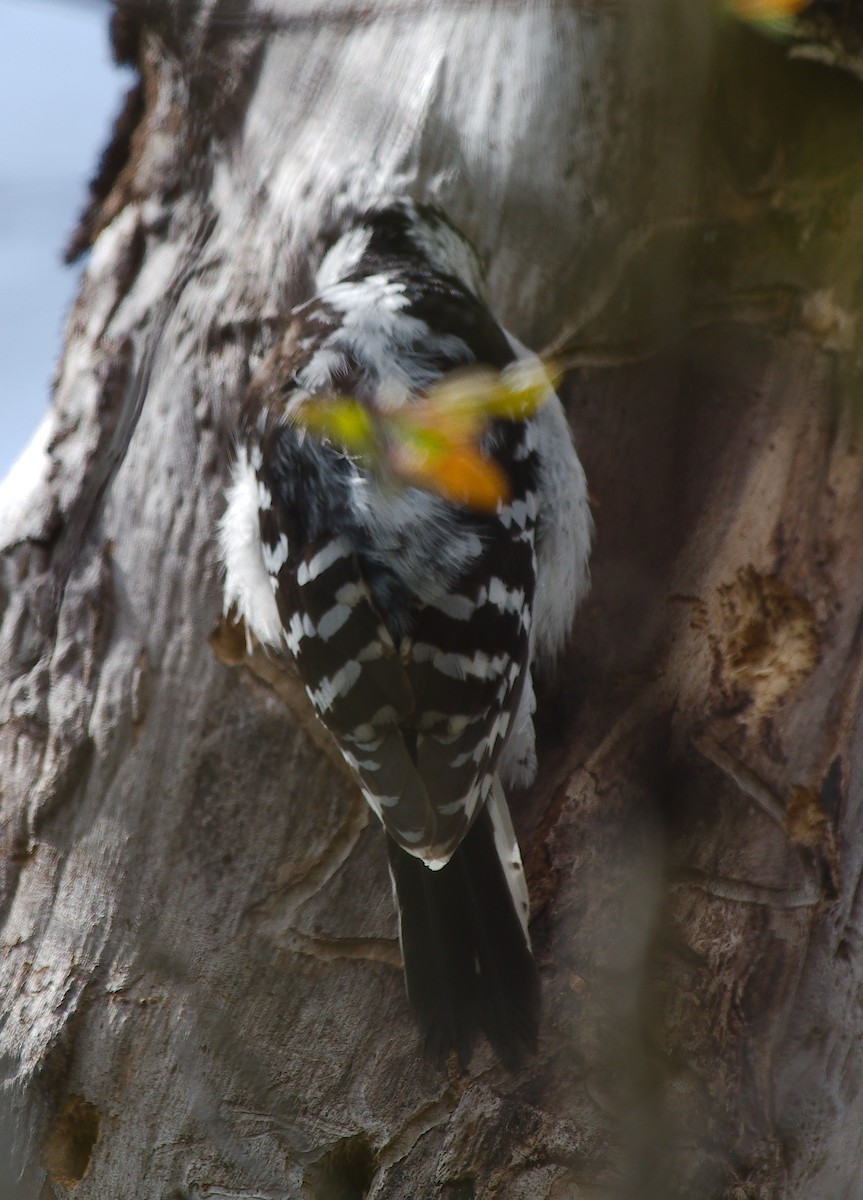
[468,966]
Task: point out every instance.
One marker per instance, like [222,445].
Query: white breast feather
[248,584]
[565,528]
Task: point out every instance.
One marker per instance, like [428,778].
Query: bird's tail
[467,958]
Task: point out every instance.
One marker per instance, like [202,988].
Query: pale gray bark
[199,971]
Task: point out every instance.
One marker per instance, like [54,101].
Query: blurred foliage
[436,441]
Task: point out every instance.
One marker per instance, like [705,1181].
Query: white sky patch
[18,489]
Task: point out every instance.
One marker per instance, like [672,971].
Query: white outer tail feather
[506,844]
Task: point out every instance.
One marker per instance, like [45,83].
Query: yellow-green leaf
[528,386]
[341,419]
[463,404]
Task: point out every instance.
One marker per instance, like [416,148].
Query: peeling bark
[199,965]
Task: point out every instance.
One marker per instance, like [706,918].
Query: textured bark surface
[199,969]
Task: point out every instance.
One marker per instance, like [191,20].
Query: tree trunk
[200,972]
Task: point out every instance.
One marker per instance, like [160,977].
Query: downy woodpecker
[416,623]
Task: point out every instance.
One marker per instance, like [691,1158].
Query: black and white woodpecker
[416,624]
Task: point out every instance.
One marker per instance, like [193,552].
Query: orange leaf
[766,10]
[461,475]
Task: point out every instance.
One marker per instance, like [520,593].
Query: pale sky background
[59,93]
